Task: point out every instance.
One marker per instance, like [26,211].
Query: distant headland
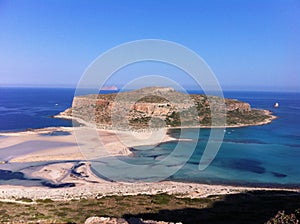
[110,88]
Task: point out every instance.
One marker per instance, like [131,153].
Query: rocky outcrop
[152,109]
[235,105]
[108,220]
[162,106]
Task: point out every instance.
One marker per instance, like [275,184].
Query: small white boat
[276,105]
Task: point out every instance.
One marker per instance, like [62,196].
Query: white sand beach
[40,145]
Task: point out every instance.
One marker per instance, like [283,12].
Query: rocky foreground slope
[133,220]
[163,107]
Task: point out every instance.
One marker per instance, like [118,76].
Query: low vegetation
[271,207]
[157,106]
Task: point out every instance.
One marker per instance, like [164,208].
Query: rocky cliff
[158,106]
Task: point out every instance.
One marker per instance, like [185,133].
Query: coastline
[116,148]
[265,112]
[87,184]
[187,190]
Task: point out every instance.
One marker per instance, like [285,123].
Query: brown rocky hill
[163,107]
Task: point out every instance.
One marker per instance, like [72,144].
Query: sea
[266,155]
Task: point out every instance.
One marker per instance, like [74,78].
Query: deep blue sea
[23,108]
[258,155]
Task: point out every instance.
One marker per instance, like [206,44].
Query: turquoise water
[248,160]
[259,155]
[267,155]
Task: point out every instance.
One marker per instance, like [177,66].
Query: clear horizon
[250,45]
[188,88]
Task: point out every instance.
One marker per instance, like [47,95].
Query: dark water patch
[175,165]
[160,157]
[155,156]
[227,140]
[279,175]
[20,178]
[56,133]
[244,141]
[59,185]
[74,170]
[9,175]
[133,149]
[249,165]
[193,163]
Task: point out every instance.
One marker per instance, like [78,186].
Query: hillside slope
[163,107]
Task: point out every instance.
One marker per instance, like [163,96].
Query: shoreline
[265,112]
[106,188]
[115,149]
[89,185]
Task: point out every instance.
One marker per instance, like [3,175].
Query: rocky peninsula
[163,107]
[74,192]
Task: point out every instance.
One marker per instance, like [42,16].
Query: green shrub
[47,200]
[282,218]
[24,199]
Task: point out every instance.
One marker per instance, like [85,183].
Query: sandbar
[87,184]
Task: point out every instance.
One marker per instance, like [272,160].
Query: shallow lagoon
[267,155]
[260,155]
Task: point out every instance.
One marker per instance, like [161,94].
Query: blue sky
[251,45]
